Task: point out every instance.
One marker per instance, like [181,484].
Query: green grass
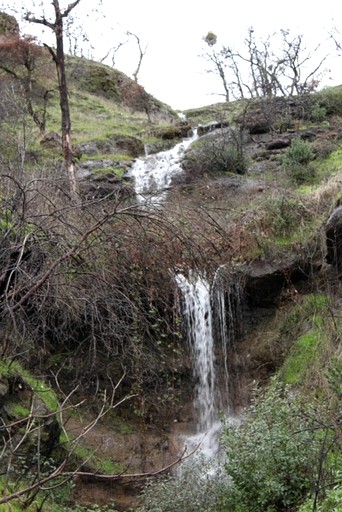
[14,505]
[88,455]
[302,355]
[335,158]
[47,395]
[310,349]
[94,117]
[116,157]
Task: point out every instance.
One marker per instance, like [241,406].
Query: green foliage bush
[299,152]
[213,155]
[296,158]
[271,457]
[198,486]
[318,114]
[284,214]
[331,100]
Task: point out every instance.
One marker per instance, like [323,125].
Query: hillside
[92,326]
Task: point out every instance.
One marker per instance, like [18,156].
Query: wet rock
[156,147]
[108,185]
[179,130]
[210,127]
[265,281]
[308,135]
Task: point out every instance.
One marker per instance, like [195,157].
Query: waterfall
[153,174]
[197,315]
[210,313]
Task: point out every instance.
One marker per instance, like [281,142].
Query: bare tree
[336,36]
[142,53]
[58,57]
[217,59]
[277,65]
[114,50]
[296,56]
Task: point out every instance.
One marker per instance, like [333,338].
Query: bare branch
[141,55]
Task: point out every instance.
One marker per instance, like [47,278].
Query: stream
[153,174]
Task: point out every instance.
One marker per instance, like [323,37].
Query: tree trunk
[64,105]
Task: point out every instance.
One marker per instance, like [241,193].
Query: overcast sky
[172,69]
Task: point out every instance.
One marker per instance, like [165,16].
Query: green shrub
[318,114]
[299,153]
[198,486]
[271,457]
[216,155]
[283,215]
[296,158]
[303,174]
[331,100]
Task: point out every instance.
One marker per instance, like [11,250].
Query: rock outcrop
[264,281]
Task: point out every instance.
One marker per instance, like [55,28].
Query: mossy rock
[24,396]
[114,144]
[179,130]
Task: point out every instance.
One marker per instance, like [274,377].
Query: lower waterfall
[211,316]
[197,313]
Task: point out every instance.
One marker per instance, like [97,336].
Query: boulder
[278,144]
[18,403]
[114,144]
[178,130]
[51,140]
[210,127]
[264,281]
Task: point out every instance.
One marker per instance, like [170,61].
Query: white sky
[172,69]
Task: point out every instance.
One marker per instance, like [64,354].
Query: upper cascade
[153,174]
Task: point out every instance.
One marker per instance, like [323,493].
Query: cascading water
[198,317]
[210,312]
[153,174]
[197,314]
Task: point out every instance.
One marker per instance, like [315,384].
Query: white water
[197,314]
[153,174]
